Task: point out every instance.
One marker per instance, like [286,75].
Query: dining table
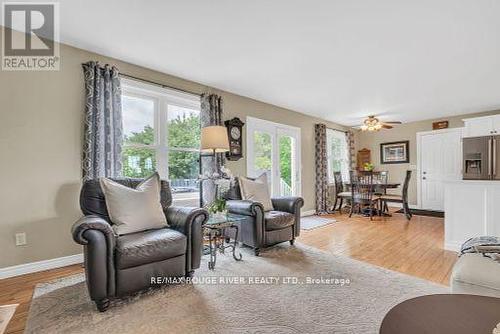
[388,185]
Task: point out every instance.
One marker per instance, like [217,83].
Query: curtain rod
[158,84]
[337,130]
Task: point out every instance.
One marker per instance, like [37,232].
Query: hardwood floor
[18,290]
[414,248]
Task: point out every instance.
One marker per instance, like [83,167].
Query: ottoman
[476,274]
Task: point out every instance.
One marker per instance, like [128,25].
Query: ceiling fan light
[374,124]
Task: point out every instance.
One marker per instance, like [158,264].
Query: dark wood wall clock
[234,132]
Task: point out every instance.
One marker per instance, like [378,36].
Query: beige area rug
[356,306]
[6,313]
[315,221]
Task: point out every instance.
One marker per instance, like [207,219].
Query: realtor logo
[30,36]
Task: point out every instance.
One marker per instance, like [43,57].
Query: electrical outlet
[21,239]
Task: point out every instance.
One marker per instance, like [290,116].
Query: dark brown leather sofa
[116,266]
[261,229]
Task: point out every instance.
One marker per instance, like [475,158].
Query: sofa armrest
[252,232]
[189,222]
[244,207]
[291,204]
[87,223]
[287,204]
[98,239]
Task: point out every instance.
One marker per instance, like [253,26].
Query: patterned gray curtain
[322,192]
[352,151]
[211,114]
[102,144]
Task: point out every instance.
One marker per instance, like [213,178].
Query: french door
[274,149]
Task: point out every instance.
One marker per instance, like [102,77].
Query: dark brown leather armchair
[260,229]
[117,266]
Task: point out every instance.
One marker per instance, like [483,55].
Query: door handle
[424,178]
[494,151]
[489,157]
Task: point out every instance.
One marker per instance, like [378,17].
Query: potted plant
[218,209]
[368,167]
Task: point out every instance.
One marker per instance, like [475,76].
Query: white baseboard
[307,213]
[399,205]
[453,246]
[33,267]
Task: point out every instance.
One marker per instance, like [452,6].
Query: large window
[161,132]
[337,153]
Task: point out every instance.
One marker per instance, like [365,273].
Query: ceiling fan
[374,124]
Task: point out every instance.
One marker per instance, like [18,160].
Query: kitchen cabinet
[482,126]
[470,210]
[496,124]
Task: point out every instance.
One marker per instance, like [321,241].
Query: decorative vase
[220,216]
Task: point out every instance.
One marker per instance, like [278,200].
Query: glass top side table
[214,229]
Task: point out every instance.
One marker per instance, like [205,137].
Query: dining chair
[380,180]
[403,198]
[362,192]
[340,194]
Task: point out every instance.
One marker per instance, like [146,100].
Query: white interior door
[440,160]
[274,149]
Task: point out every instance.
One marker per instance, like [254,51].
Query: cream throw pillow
[256,190]
[134,210]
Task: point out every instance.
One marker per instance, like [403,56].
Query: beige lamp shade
[214,139]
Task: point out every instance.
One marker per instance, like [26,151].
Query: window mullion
[161,152]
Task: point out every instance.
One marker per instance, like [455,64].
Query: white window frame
[342,135]
[163,97]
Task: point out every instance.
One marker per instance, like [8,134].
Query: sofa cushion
[277,220]
[92,201]
[140,248]
[256,190]
[134,210]
[477,273]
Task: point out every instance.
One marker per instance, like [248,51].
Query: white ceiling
[338,60]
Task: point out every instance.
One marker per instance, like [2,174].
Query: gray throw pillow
[256,190]
[134,210]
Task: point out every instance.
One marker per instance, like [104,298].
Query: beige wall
[40,151]
[408,131]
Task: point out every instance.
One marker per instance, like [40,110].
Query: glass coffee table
[214,229]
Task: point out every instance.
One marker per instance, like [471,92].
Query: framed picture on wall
[395,153]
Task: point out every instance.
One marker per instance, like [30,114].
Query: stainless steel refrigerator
[481,158]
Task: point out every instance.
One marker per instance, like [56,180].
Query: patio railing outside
[285,189]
